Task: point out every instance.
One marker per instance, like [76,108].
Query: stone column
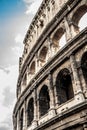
[68,32]
[38,112]
[18,91]
[77,88]
[73,28]
[52,47]
[37,63]
[49,47]
[27,76]
[14,122]
[56,95]
[34,123]
[18,121]
[51,94]
[25,117]
[83,82]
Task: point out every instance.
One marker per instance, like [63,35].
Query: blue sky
[10,7]
[15,17]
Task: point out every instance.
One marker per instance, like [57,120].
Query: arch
[30,112]
[21,119]
[43,55]
[59,37]
[44,100]
[84,65]
[79,13]
[32,68]
[83,22]
[64,86]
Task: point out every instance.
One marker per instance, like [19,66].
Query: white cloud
[17,51]
[8,84]
[19,38]
[32,6]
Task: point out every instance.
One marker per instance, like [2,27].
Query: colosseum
[52,82]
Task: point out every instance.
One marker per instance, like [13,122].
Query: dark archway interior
[43,54]
[64,86]
[84,65]
[30,111]
[44,100]
[58,35]
[32,68]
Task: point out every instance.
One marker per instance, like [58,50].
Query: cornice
[59,117]
[44,3]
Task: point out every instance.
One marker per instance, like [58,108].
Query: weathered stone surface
[52,82]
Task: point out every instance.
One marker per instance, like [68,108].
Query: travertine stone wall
[52,70]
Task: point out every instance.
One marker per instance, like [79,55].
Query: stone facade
[52,82]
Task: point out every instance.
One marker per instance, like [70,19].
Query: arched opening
[83,22]
[32,68]
[24,83]
[30,112]
[64,86]
[44,100]
[79,15]
[43,56]
[21,119]
[62,41]
[84,65]
[59,38]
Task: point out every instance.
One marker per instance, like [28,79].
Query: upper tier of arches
[65,31]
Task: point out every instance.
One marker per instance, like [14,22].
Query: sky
[15,18]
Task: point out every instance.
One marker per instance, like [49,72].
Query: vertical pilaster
[18,121]
[49,48]
[38,113]
[77,87]
[51,94]
[14,122]
[35,110]
[27,76]
[25,117]
[68,32]
[37,63]
[83,82]
[74,28]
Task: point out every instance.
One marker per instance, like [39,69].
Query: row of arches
[59,40]
[73,26]
[59,36]
[42,59]
[64,90]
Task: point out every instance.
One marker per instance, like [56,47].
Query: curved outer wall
[52,82]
